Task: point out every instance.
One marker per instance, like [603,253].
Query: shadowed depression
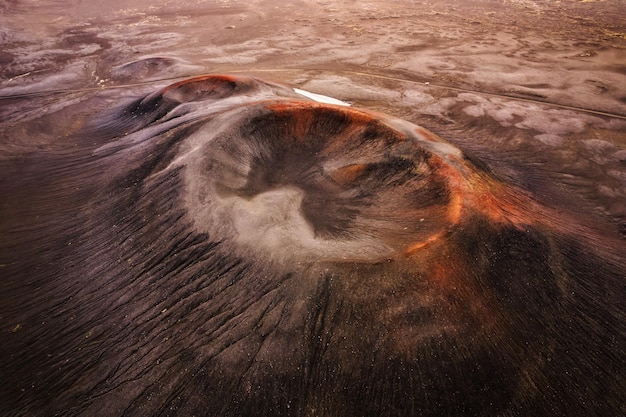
[225,246]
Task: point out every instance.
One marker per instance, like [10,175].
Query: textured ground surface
[481,68]
[213,247]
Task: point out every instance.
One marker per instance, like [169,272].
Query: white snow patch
[321,98]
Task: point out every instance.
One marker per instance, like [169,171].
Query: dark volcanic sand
[214,247]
